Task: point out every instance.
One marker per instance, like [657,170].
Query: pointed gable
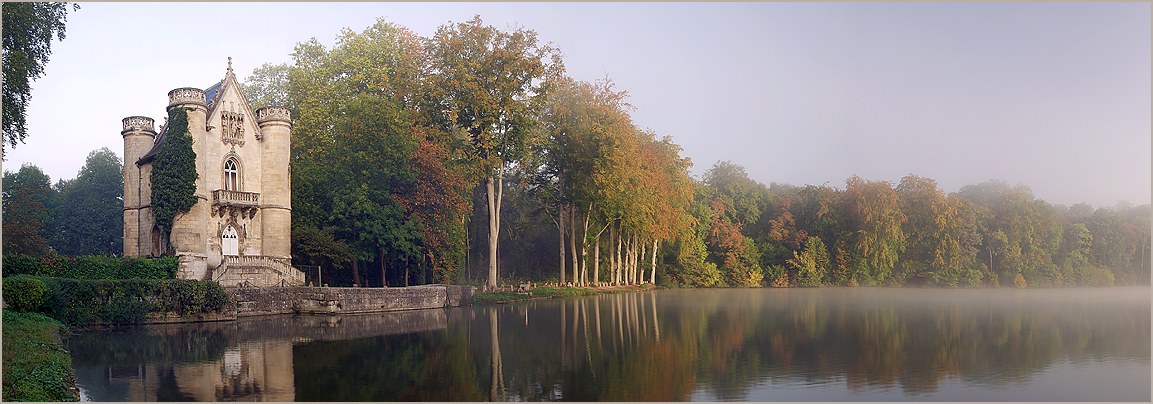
[228,106]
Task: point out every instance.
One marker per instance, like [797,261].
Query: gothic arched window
[231,175]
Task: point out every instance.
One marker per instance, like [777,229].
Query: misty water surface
[828,344]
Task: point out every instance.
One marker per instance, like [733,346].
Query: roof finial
[230,63]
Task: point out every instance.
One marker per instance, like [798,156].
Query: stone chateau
[239,230]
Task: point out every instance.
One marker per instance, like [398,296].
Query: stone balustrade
[259,271]
[225,197]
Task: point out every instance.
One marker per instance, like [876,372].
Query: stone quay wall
[324,300]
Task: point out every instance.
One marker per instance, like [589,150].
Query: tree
[877,218]
[690,266]
[27,198]
[319,246]
[174,173]
[734,187]
[942,233]
[812,263]
[89,219]
[486,81]
[28,32]
[371,179]
[1022,234]
[267,86]
[735,201]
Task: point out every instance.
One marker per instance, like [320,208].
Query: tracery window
[231,175]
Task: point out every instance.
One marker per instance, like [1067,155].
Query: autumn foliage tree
[486,82]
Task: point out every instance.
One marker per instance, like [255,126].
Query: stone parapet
[187,95]
[138,124]
[270,114]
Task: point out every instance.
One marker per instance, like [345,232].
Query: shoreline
[552,292]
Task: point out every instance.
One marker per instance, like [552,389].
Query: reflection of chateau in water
[255,371]
[247,360]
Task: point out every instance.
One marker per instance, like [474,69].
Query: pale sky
[1055,96]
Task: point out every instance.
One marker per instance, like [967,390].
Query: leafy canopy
[28,32]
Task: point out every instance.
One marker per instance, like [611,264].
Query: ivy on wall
[174,173]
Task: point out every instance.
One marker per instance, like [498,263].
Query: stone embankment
[324,300]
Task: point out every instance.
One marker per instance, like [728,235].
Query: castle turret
[190,230]
[276,203]
[139,136]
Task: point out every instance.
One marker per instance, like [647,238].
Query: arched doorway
[229,243]
[157,246]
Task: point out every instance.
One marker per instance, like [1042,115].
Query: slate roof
[147,158]
[210,92]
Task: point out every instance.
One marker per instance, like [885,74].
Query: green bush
[24,293]
[76,301]
[36,365]
[17,264]
[91,267]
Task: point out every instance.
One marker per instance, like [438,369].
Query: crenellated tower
[190,230]
[276,205]
[139,137]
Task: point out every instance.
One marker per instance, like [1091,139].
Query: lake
[826,344]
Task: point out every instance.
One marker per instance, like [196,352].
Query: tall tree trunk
[379,256]
[493,231]
[618,276]
[406,272]
[641,273]
[560,228]
[355,273]
[467,249]
[624,257]
[584,249]
[572,242]
[991,271]
[612,255]
[499,201]
[634,250]
[597,260]
[628,261]
[653,273]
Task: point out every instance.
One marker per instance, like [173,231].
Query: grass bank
[536,293]
[36,365]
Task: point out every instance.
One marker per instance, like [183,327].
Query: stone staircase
[256,271]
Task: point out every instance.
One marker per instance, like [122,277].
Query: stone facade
[239,230]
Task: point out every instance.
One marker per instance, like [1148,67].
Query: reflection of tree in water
[732,341]
[153,344]
[168,389]
[878,343]
[426,366]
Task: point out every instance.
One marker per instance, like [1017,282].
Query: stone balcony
[225,202]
